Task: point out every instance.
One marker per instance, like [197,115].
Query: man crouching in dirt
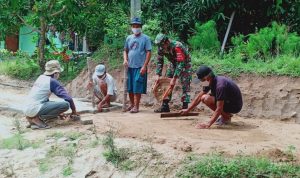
[104,87]
[39,109]
[224,99]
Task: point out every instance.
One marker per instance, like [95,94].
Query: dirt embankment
[270,97]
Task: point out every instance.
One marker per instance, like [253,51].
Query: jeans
[52,109]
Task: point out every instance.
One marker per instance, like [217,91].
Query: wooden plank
[163,115]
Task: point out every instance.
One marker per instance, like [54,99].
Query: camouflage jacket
[177,54]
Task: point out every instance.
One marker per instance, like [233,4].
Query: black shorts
[231,107]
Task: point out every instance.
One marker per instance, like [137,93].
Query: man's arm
[214,117]
[194,103]
[59,90]
[125,57]
[144,68]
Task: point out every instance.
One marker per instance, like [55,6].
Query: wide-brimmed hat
[136,20]
[203,71]
[52,67]
[100,70]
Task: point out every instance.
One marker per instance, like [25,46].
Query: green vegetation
[66,151]
[17,141]
[215,165]
[67,170]
[206,37]
[21,68]
[113,57]
[44,165]
[117,156]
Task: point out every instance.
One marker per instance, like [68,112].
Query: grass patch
[215,165]
[44,165]
[20,68]
[56,135]
[74,135]
[67,170]
[17,141]
[113,57]
[94,143]
[235,64]
[119,157]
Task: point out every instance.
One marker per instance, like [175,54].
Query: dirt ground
[249,133]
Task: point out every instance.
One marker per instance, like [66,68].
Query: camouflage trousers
[184,78]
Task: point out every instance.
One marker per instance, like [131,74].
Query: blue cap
[136,20]
[100,70]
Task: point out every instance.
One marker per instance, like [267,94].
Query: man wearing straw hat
[39,109]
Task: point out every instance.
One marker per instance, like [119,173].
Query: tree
[34,14]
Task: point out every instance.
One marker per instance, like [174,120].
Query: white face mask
[136,31]
[56,75]
[205,83]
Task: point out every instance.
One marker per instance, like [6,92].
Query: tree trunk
[42,43]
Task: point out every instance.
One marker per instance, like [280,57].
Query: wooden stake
[90,72]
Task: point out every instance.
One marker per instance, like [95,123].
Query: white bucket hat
[52,67]
[100,70]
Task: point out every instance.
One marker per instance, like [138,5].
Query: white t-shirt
[39,93]
[109,80]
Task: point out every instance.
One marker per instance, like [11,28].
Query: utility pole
[227,33]
[135,9]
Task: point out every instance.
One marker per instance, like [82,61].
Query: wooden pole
[90,72]
[227,32]
[135,7]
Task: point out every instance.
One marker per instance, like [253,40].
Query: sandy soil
[269,97]
[172,138]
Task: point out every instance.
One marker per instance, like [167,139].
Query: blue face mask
[136,31]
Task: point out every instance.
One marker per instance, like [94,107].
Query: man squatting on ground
[225,98]
[137,53]
[179,67]
[39,109]
[104,87]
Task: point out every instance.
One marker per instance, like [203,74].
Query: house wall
[27,40]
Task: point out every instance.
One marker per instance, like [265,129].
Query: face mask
[56,75]
[136,31]
[205,83]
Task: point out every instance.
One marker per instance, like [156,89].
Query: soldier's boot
[164,107]
[185,105]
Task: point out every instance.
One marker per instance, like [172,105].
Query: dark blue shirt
[224,89]
[59,90]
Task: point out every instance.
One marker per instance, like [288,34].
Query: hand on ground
[99,107]
[184,112]
[63,116]
[74,113]
[202,126]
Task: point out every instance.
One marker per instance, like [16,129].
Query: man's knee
[206,99]
[64,106]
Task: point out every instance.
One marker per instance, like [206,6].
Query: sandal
[221,121]
[129,108]
[134,110]
[37,123]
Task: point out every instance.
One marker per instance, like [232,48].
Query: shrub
[205,37]
[20,68]
[240,166]
[268,42]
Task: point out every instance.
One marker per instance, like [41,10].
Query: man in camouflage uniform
[179,67]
